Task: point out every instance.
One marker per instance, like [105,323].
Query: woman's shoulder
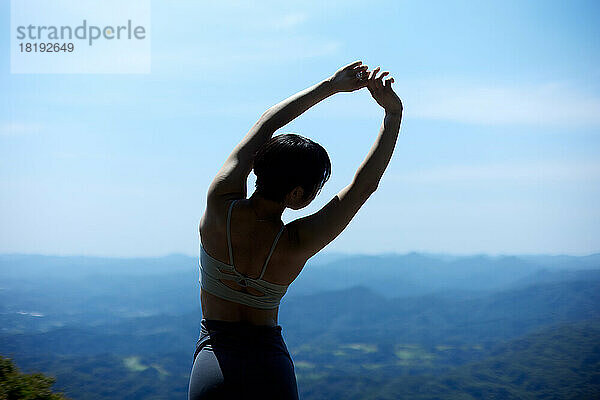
[214,218]
[216,210]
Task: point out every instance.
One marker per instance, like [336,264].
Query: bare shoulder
[215,213]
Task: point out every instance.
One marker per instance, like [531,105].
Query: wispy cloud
[504,172]
[255,35]
[544,105]
[18,128]
[290,21]
[548,104]
[226,57]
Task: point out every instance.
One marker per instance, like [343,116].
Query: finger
[379,80]
[383,74]
[373,73]
[370,76]
[388,82]
[352,65]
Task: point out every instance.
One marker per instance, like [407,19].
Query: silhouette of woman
[248,257]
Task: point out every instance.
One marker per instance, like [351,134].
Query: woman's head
[288,162]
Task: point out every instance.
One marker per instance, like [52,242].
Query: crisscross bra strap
[262,272]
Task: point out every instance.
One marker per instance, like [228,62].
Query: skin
[255,221]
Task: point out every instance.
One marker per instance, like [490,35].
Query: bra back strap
[271,252]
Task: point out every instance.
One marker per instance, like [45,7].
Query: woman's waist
[241,327]
[217,309]
[241,336]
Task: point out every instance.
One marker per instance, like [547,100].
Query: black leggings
[239,360]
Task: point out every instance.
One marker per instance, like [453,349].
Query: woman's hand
[383,93]
[350,78]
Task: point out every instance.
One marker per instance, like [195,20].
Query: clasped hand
[356,76]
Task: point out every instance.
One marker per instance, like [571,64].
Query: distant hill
[359,312]
[554,276]
[414,274]
[21,266]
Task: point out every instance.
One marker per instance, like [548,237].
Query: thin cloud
[554,104]
[549,105]
[289,21]
[225,58]
[18,128]
[515,173]
[254,35]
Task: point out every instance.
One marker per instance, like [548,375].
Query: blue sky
[498,150]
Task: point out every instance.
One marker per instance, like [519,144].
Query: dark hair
[287,161]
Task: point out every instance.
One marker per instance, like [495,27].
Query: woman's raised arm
[231,179]
[371,170]
[315,231]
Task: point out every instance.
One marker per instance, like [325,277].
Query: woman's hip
[241,339]
[232,359]
[224,375]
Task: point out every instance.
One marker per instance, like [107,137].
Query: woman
[248,257]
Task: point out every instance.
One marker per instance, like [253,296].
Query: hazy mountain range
[388,326]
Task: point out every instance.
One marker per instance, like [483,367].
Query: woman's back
[253,242]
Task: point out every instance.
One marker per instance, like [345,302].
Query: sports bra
[211,271]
